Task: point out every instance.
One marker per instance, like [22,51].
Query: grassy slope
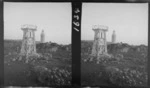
[99,74]
[20,73]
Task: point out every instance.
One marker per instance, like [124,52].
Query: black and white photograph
[37,44]
[114,44]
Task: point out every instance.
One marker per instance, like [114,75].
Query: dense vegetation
[51,68]
[126,66]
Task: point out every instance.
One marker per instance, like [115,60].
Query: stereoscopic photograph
[114,44]
[37,44]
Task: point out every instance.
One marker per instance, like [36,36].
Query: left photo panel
[37,44]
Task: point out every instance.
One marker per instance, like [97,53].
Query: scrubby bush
[47,68]
[126,66]
[126,76]
[52,76]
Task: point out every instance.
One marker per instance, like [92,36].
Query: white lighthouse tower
[42,37]
[114,37]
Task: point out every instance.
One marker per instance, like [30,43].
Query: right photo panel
[114,44]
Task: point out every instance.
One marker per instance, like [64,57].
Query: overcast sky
[54,18]
[130,21]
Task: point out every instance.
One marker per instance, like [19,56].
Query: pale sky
[53,18]
[130,21]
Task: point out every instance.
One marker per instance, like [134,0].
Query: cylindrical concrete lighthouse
[114,37]
[42,37]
